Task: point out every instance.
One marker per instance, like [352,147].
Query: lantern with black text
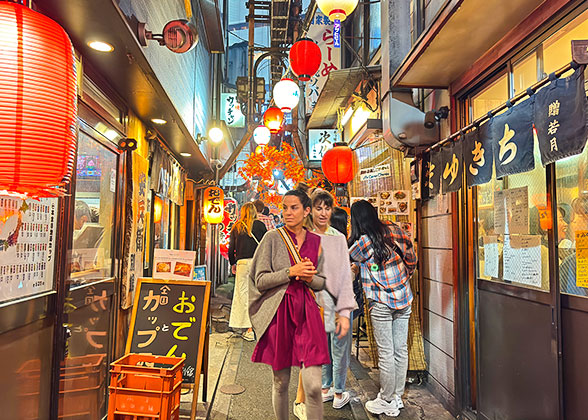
[273,119]
[339,164]
[38,99]
[305,58]
[213,205]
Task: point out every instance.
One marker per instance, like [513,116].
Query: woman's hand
[342,327]
[304,270]
[234,269]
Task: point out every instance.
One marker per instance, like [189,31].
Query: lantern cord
[528,92]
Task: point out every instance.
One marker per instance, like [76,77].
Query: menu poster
[353,200]
[521,258]
[27,246]
[200,273]
[491,256]
[517,210]
[499,213]
[393,202]
[582,258]
[173,264]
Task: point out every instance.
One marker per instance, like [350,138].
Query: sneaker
[329,395]
[341,402]
[299,410]
[399,402]
[380,406]
[249,336]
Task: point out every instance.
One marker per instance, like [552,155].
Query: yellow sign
[582,258]
[213,205]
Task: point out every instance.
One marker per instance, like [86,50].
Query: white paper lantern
[262,135]
[337,9]
[286,94]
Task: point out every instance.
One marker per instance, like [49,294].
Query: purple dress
[296,336]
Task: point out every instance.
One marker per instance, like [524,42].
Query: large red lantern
[38,97]
[305,58]
[273,119]
[339,164]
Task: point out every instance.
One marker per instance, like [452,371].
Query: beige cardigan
[268,280]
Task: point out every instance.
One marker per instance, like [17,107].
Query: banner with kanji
[435,171]
[512,139]
[560,117]
[231,214]
[451,175]
[478,155]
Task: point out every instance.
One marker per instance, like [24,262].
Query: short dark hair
[320,196]
[258,205]
[302,196]
[339,218]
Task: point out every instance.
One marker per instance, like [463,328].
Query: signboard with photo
[320,141]
[392,203]
[173,264]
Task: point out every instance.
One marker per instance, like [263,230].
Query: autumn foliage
[260,166]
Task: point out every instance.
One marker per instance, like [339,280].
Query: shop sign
[213,205]
[320,141]
[231,213]
[231,110]
[582,258]
[478,157]
[377,172]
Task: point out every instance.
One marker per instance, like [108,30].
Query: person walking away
[386,259]
[263,215]
[337,301]
[286,267]
[246,234]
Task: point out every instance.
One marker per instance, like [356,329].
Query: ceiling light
[186,154]
[101,46]
[159,121]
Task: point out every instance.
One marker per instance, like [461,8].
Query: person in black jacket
[245,236]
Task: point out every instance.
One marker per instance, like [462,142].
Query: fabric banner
[435,171]
[512,139]
[425,172]
[478,156]
[231,214]
[560,117]
[451,177]
[134,262]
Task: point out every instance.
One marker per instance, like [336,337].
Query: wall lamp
[435,115]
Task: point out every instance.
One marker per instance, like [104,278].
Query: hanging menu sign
[582,258]
[169,319]
[27,246]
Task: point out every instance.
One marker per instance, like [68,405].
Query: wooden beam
[223,171]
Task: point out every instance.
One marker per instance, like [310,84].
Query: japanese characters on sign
[320,141]
[213,205]
[376,172]
[27,246]
[478,158]
[231,110]
[169,319]
[434,171]
[230,217]
[322,31]
[173,264]
[452,166]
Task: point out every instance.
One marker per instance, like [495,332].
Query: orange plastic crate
[145,387]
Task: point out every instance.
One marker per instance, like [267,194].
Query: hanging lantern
[273,119]
[213,205]
[305,59]
[339,164]
[262,135]
[286,94]
[37,103]
[337,9]
[157,209]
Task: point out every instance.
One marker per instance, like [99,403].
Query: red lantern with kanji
[305,58]
[38,103]
[213,205]
[339,164]
[273,119]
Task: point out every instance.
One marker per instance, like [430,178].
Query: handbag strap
[251,235]
[292,250]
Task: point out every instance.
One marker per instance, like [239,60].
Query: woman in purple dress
[283,309]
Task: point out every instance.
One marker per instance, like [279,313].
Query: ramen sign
[213,205]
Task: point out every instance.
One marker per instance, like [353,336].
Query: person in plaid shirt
[386,259]
[263,215]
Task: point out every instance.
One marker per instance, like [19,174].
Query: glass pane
[557,50]
[91,255]
[375,27]
[572,218]
[524,73]
[520,258]
[491,97]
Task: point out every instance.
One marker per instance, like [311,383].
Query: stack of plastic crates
[145,387]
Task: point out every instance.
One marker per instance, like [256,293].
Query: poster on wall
[392,203]
[511,211]
[173,264]
[27,246]
[376,172]
[582,258]
[491,256]
[134,268]
[521,256]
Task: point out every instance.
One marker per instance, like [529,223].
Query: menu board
[27,246]
[169,319]
[172,264]
[521,258]
[511,211]
[491,256]
[391,203]
[582,258]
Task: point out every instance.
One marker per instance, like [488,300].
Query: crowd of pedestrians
[294,294]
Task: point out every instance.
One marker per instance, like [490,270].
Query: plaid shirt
[388,284]
[268,221]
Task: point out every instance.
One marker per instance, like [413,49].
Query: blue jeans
[391,333]
[335,374]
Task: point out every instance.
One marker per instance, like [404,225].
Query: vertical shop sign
[434,172]
[478,156]
[512,138]
[321,140]
[560,117]
[230,217]
[231,110]
[213,205]
[321,30]
[452,166]
[582,258]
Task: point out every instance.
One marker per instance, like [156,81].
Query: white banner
[376,172]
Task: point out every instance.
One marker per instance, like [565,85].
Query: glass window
[524,73]
[557,50]
[375,28]
[491,97]
[91,254]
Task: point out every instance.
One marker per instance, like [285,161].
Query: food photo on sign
[173,264]
[392,203]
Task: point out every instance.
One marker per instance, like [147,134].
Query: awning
[339,86]
[463,31]
[127,70]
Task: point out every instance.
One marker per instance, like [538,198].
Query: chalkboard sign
[169,319]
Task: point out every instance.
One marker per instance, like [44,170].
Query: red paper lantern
[38,103]
[273,119]
[338,164]
[305,58]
